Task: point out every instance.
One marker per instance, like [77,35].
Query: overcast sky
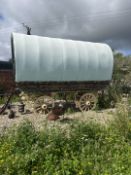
[107,21]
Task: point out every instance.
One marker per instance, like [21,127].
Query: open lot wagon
[57,65]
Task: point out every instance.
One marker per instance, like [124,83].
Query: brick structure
[6,80]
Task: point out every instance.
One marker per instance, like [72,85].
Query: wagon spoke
[83,107]
[38,108]
[87,108]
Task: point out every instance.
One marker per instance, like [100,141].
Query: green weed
[85,149]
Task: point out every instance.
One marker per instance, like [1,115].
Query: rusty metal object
[52,116]
[56,112]
[87,102]
[21,107]
[11,114]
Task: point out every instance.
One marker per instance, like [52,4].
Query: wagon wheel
[87,102]
[43,104]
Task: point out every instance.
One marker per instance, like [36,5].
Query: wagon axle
[46,104]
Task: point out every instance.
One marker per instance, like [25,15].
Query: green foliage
[122,73]
[109,98]
[85,149]
[3,99]
[121,82]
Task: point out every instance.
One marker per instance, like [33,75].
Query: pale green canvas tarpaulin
[43,59]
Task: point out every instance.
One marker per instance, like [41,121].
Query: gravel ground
[39,120]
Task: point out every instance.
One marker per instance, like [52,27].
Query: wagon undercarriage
[43,98]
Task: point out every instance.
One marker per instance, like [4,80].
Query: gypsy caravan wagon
[58,65]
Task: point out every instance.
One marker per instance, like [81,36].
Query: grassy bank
[83,149]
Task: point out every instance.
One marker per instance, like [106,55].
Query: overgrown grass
[83,149]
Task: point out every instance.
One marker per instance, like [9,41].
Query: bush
[86,148]
[109,98]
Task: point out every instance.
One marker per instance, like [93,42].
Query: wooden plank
[62,86]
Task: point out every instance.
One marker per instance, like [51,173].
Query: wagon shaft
[2,110]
